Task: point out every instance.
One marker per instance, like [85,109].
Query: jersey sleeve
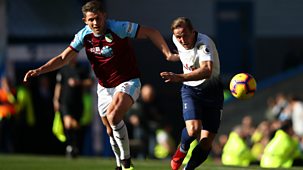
[204,53]
[77,43]
[123,28]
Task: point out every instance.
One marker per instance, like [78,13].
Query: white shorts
[105,95]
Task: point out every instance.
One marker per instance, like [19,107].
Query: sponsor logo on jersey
[190,68]
[107,51]
[95,50]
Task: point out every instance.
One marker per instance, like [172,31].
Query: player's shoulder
[203,38]
[115,24]
[84,31]
[122,28]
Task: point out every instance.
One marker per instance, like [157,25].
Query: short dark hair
[92,6]
[180,21]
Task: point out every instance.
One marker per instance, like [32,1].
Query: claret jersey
[111,55]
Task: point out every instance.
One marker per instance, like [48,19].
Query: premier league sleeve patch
[206,50]
[203,48]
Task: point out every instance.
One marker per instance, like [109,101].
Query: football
[243,86]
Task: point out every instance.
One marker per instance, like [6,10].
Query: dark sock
[71,135]
[186,140]
[126,163]
[118,168]
[197,158]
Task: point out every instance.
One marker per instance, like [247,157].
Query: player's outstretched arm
[158,40]
[172,77]
[204,72]
[53,64]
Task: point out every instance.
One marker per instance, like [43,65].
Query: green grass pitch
[42,162]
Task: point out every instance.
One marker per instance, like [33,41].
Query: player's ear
[84,20]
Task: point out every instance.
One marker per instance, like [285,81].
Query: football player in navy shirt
[108,49]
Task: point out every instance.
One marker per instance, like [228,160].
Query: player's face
[95,21]
[185,36]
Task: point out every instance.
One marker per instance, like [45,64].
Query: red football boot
[177,159]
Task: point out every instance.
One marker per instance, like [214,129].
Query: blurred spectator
[279,106]
[138,132]
[25,121]
[165,145]
[7,111]
[259,139]
[42,93]
[269,112]
[248,127]
[68,100]
[236,152]
[282,149]
[218,147]
[296,109]
[144,118]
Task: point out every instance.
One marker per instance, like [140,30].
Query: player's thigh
[211,119]
[125,95]
[120,104]
[105,97]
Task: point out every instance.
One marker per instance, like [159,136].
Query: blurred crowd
[30,121]
[277,141]
[27,125]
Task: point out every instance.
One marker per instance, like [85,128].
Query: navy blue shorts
[203,103]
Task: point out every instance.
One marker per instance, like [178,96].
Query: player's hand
[171,77]
[31,73]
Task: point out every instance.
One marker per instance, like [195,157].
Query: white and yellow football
[243,86]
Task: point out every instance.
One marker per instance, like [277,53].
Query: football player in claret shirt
[107,45]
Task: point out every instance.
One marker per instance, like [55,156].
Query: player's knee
[109,131]
[114,117]
[193,132]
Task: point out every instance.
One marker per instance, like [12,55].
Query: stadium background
[261,37]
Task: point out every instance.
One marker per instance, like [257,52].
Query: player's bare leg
[189,134]
[119,106]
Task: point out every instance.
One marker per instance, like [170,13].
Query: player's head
[94,16]
[183,30]
[148,93]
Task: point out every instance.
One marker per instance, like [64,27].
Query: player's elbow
[169,58]
[207,72]
[208,75]
[146,32]
[172,57]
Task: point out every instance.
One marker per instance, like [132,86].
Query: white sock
[121,137]
[116,150]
